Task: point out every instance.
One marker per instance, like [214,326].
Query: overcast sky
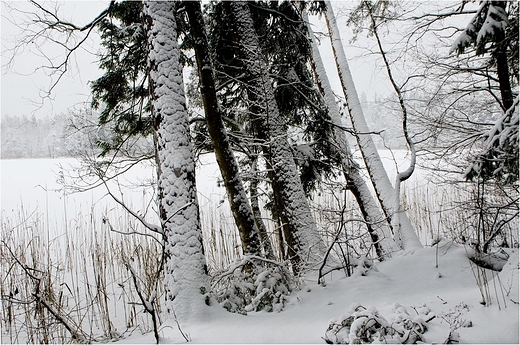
[23,82]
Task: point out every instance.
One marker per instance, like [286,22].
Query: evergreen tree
[304,117]
[121,93]
[229,169]
[493,31]
[270,127]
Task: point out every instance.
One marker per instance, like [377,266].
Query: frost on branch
[362,325]
[498,159]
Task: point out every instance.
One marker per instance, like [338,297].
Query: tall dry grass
[79,266]
[455,211]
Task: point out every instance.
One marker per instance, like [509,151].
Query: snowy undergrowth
[253,284]
[440,278]
[363,325]
[408,294]
[80,276]
[404,292]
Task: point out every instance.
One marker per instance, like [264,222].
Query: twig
[70,325]
[149,226]
[147,303]
[106,221]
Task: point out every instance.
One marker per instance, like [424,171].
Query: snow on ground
[410,280]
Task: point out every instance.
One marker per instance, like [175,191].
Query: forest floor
[437,284]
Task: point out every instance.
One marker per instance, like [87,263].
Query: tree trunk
[286,238]
[503,70]
[310,248]
[386,194]
[229,169]
[255,205]
[185,269]
[378,227]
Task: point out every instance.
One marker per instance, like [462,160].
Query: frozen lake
[36,185]
[34,188]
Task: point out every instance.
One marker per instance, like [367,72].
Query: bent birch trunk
[386,194]
[378,227]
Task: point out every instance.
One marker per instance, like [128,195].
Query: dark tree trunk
[503,75]
[229,169]
[309,246]
[255,205]
[502,65]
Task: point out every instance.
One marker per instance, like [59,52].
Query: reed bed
[79,266]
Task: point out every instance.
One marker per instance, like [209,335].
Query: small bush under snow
[253,285]
[362,325]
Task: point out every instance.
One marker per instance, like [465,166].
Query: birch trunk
[185,269]
[378,227]
[238,201]
[309,246]
[386,194]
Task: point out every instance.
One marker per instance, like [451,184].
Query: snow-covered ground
[411,281]
[438,284]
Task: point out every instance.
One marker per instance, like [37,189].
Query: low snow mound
[428,295]
[448,288]
[508,277]
[367,326]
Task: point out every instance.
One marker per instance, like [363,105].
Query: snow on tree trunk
[378,228]
[255,205]
[242,212]
[403,229]
[309,245]
[185,269]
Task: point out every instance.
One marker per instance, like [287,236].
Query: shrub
[366,326]
[253,284]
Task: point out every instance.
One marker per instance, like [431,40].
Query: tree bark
[185,270]
[238,201]
[503,71]
[309,246]
[386,194]
[255,205]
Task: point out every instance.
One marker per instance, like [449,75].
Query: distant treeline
[73,134]
[24,137]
